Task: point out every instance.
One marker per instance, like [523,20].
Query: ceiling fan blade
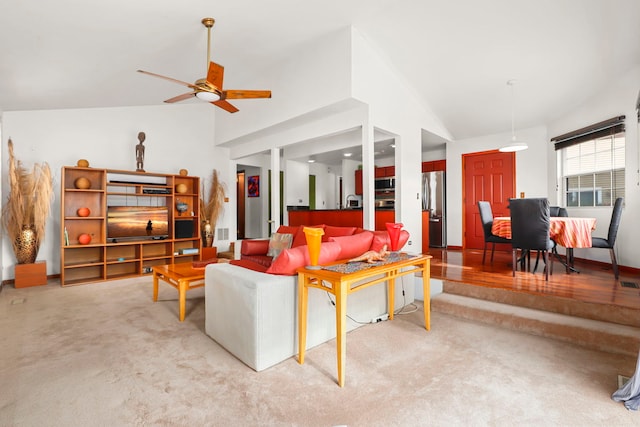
[225,106]
[180,82]
[246,94]
[215,75]
[180,97]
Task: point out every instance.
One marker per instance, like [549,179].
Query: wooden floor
[594,283]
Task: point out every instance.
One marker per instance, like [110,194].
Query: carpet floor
[105,355]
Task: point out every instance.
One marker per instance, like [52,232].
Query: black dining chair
[530,230]
[610,241]
[486,217]
[557,211]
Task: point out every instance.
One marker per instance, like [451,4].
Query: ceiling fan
[210,88]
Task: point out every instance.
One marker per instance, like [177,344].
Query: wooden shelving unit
[108,259]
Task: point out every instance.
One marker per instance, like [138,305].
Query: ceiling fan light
[514,146]
[208,96]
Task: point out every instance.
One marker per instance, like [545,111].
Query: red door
[487,176]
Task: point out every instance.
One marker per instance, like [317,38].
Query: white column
[275,189]
[368,171]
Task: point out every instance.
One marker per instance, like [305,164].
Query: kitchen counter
[340,217]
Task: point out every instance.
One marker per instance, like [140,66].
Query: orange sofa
[339,243]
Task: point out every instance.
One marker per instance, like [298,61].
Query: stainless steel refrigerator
[434,202]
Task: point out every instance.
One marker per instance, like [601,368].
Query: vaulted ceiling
[458,55]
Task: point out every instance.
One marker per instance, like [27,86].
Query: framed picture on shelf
[253,186]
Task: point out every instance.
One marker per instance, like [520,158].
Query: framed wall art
[253,186]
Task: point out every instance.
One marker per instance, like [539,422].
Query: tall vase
[208,235]
[314,240]
[394,228]
[26,246]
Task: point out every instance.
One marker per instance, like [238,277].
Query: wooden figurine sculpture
[372,256]
[140,153]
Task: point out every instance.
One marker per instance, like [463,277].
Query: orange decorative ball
[83,163]
[181,188]
[84,212]
[84,239]
[82,183]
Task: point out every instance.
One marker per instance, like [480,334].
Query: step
[589,333]
[596,311]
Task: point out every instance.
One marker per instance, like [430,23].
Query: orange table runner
[570,232]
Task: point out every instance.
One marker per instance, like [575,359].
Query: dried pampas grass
[29,200]
[213,207]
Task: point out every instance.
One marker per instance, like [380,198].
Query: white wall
[428,156]
[348,178]
[296,183]
[316,75]
[619,98]
[531,171]
[395,109]
[177,136]
[326,184]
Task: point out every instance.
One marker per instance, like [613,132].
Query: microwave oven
[385,184]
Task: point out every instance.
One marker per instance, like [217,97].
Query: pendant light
[515,144]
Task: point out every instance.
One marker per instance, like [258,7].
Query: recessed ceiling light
[393,145]
[311,161]
[348,154]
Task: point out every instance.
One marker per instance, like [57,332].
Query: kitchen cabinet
[385,172]
[434,166]
[379,172]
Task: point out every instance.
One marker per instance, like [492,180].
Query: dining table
[569,232]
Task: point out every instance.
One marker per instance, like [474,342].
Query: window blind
[608,127]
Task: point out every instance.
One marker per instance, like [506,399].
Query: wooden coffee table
[182,276]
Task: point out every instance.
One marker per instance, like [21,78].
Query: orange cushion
[291,259]
[381,238]
[355,245]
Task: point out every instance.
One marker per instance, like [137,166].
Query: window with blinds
[593,161]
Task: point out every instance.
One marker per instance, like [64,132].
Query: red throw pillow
[254,247]
[355,245]
[291,259]
[249,264]
[331,231]
[288,229]
[381,238]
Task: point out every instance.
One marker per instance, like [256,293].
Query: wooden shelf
[103,260]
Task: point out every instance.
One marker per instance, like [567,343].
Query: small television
[137,223]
